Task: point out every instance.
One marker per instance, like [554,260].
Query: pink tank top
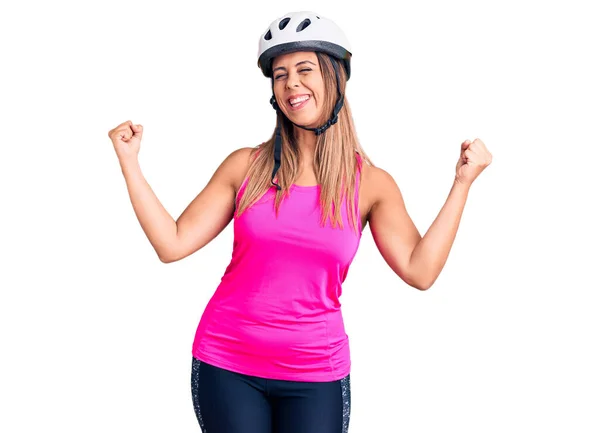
[276,313]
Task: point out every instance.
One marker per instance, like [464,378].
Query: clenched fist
[474,157]
[126,139]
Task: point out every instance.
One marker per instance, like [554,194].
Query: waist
[273,328]
[276,346]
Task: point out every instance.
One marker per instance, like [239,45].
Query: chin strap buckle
[323,128]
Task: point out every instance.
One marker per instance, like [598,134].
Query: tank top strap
[359,163]
[240,191]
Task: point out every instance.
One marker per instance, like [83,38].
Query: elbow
[172,255]
[426,284]
[169,253]
[166,257]
[421,279]
[421,284]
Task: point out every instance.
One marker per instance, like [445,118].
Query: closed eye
[301,70]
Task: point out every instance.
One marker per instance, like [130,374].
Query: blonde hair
[335,157]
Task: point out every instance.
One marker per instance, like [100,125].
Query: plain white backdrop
[96,332]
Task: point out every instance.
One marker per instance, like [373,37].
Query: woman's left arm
[420,260]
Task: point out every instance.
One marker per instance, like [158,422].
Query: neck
[307,143]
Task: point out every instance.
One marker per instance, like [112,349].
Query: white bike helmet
[303,31]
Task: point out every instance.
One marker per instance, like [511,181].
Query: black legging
[229,402]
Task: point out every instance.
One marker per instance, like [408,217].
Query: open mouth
[298,102]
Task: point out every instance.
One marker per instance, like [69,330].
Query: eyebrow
[297,64]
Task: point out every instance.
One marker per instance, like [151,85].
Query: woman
[270,353]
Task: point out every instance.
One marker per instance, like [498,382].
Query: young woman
[270,353]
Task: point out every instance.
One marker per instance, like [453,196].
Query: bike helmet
[303,31]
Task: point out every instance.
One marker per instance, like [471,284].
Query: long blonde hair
[335,157]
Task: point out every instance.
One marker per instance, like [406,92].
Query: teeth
[298,100]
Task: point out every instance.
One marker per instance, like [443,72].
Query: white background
[97,332]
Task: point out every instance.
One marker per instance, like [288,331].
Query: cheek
[318,90]
[277,91]
[318,96]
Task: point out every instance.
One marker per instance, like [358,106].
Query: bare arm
[204,218]
[430,254]
[212,210]
[393,230]
[417,260]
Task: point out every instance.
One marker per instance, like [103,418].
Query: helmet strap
[277,154]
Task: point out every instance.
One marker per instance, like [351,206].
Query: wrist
[461,185]
[128,164]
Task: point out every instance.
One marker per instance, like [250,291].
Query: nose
[292,81]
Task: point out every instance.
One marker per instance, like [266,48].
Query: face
[298,87]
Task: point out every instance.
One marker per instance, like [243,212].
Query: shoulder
[377,184]
[377,179]
[241,157]
[374,174]
[236,165]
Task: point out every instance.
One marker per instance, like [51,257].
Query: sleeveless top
[276,313]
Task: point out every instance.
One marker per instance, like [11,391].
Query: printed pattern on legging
[195,387]
[345,389]
[346,400]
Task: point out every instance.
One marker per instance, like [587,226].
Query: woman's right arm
[204,218]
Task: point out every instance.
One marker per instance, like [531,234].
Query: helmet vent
[304,24]
[284,22]
[268,36]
